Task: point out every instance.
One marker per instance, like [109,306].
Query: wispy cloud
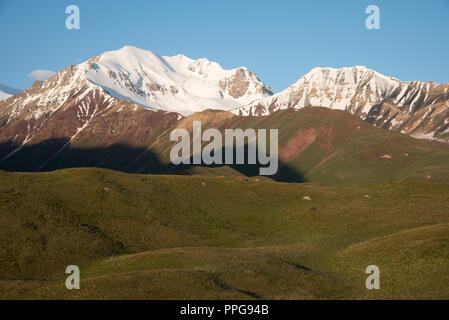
[41,74]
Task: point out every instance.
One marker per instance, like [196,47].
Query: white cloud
[41,74]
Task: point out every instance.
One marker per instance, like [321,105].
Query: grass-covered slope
[160,237]
[315,145]
[321,145]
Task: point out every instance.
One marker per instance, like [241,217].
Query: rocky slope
[416,108]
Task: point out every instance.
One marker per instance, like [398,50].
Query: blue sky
[279,40]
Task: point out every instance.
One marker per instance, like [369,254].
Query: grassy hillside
[161,237]
[315,145]
[328,146]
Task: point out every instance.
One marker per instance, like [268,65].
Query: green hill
[333,147]
[207,237]
[315,145]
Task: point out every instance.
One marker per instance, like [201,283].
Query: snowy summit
[177,83]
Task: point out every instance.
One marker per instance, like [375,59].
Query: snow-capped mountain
[116,110]
[68,111]
[6,92]
[132,94]
[416,108]
[143,86]
[177,83]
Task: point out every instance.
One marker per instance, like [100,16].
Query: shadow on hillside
[285,172]
[55,154]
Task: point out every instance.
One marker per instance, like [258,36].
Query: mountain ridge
[85,100]
[183,85]
[416,108]
[176,83]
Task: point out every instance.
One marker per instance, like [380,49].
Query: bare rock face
[111,74]
[153,86]
[416,108]
[174,90]
[200,67]
[238,85]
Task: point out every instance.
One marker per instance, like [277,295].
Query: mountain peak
[175,83]
[356,68]
[131,49]
[329,71]
[416,108]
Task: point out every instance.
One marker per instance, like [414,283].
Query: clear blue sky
[279,40]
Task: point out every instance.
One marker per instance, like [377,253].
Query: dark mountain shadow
[29,157]
[285,172]
[55,154]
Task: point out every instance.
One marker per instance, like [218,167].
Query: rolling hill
[178,237]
